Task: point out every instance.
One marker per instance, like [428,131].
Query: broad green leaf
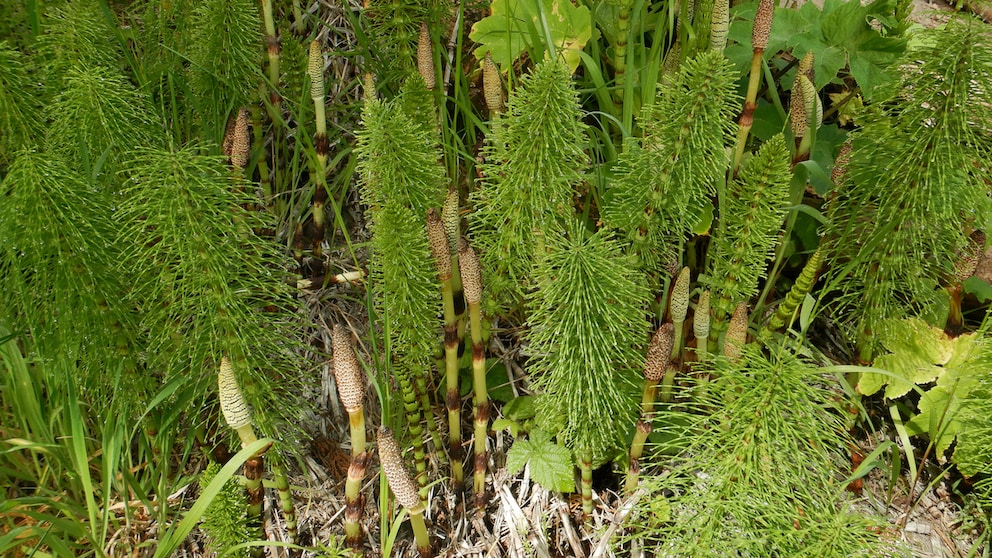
[917,355]
[514,26]
[551,465]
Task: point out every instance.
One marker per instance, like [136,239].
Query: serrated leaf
[917,355]
[551,465]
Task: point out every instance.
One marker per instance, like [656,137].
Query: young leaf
[551,465]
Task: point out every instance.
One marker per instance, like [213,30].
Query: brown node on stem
[347,370]
[438,240]
[471,274]
[396,474]
[659,352]
[425,56]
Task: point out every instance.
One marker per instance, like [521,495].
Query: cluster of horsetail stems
[351,390]
[656,366]
[442,260]
[472,283]
[315,68]
[404,488]
[759,40]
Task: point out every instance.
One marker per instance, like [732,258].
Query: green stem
[412,407]
[354,502]
[585,467]
[285,502]
[481,402]
[641,435]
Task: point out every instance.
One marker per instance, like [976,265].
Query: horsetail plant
[736,337]
[664,183]
[404,488]
[586,324]
[472,283]
[443,260]
[656,364]
[914,189]
[351,390]
[425,57]
[751,216]
[533,164]
[492,86]
[451,219]
[401,178]
[719,25]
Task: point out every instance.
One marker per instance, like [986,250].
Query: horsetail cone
[450,218]
[425,57]
[798,115]
[719,25]
[471,275]
[315,67]
[733,343]
[232,403]
[659,352]
[680,296]
[237,144]
[396,474]
[762,24]
[968,258]
[840,164]
[347,371]
[492,88]
[701,319]
[806,65]
[438,240]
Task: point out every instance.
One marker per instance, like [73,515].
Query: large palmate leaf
[514,26]
[921,355]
